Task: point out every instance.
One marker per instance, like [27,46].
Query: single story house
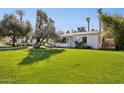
[91,38]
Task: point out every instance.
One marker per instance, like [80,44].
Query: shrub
[85,46]
[81,45]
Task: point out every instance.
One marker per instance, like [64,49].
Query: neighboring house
[91,38]
[5,40]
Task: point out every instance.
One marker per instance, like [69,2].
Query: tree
[10,26]
[1,37]
[21,13]
[28,31]
[40,33]
[50,30]
[72,31]
[113,26]
[100,12]
[92,29]
[88,21]
[60,32]
[81,29]
[1,32]
[45,29]
[67,32]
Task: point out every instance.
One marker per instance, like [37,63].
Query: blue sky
[65,18]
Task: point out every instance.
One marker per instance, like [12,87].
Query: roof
[81,33]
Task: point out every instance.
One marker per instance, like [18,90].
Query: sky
[65,18]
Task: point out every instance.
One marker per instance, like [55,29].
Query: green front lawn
[60,66]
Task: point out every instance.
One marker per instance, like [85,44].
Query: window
[84,39]
[63,40]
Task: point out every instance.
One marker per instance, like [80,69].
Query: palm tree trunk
[99,24]
[20,18]
[88,26]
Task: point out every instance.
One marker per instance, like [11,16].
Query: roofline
[81,33]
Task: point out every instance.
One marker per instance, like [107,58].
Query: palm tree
[88,21]
[21,13]
[100,23]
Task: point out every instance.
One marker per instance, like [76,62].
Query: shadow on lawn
[36,55]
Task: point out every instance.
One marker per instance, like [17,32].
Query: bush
[85,46]
[81,45]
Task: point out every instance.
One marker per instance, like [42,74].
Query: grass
[61,66]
